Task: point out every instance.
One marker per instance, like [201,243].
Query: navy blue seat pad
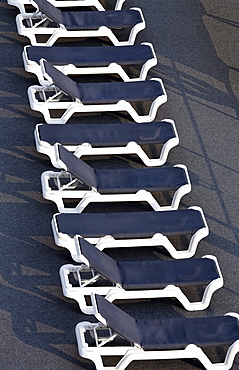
[105,92]
[158,274]
[168,334]
[93,20]
[134,179]
[100,135]
[123,180]
[91,56]
[178,333]
[130,224]
[112,92]
[150,274]
[84,20]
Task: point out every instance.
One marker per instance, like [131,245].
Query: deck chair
[52,23]
[132,229]
[91,60]
[81,181]
[23,5]
[109,139]
[155,339]
[64,94]
[100,274]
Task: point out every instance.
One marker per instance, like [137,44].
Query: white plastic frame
[70,69]
[76,106]
[68,191]
[71,243]
[134,352]
[35,20]
[86,149]
[115,292]
[21,4]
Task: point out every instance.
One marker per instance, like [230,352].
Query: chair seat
[178,333]
[130,224]
[91,56]
[159,274]
[95,19]
[131,179]
[108,92]
[103,134]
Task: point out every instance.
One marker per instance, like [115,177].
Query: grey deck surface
[196,42]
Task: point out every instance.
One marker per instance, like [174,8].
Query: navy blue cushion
[124,180]
[159,274]
[91,56]
[134,179]
[93,20]
[83,20]
[178,333]
[130,224]
[168,334]
[107,134]
[112,92]
[105,92]
[150,274]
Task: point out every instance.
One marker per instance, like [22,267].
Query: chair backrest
[63,82]
[77,167]
[118,320]
[100,262]
[50,11]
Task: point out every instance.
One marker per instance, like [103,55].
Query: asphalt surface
[196,42]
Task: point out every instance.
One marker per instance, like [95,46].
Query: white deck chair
[155,339]
[51,23]
[91,60]
[81,181]
[109,139]
[132,229]
[22,5]
[100,274]
[64,94]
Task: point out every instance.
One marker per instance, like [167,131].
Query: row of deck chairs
[86,235]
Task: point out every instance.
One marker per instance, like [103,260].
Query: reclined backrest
[100,262]
[77,167]
[65,83]
[50,10]
[118,320]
